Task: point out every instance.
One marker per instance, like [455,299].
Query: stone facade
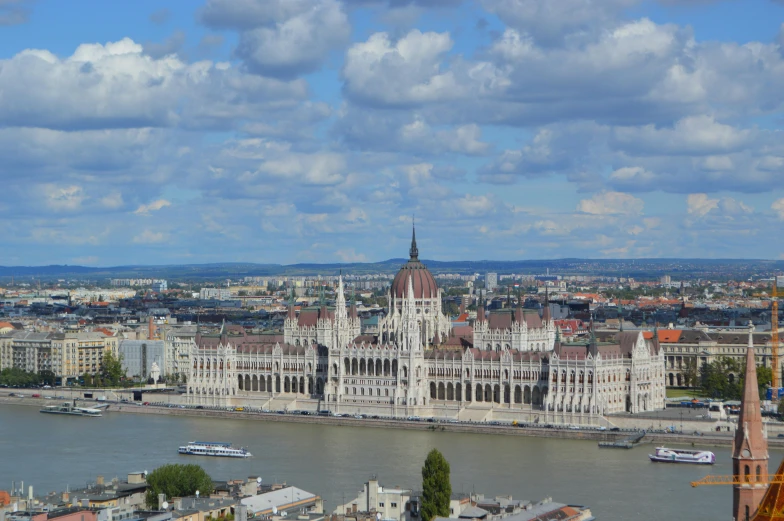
[511,365]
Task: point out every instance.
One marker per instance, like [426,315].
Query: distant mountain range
[639,268]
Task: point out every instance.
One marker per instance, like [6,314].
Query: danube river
[51,452]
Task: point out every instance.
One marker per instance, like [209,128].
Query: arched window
[759,473]
[747,473]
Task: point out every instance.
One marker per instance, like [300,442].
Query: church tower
[750,446]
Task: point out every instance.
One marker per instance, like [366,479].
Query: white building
[491,281]
[510,366]
[215,293]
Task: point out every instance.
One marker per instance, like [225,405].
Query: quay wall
[704,439]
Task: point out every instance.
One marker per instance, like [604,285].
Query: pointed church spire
[292,301]
[414,251]
[620,313]
[750,446]
[480,308]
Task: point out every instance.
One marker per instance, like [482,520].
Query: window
[381,505]
[393,505]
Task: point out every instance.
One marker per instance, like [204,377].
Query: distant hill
[639,268]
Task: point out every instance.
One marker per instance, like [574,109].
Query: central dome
[421,278]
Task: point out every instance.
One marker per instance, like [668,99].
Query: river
[51,452]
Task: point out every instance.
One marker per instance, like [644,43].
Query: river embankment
[553,432]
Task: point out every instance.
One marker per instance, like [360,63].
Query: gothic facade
[511,365]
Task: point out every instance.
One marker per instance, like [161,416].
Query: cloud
[700,204]
[403,72]
[113,200]
[778,208]
[145,209]
[117,85]
[172,45]
[160,17]
[693,135]
[281,38]
[149,237]
[611,203]
[63,198]
[351,256]
[14,12]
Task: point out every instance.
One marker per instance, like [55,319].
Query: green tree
[436,487]
[690,373]
[111,368]
[176,480]
[47,377]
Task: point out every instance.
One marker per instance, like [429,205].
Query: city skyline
[309,131]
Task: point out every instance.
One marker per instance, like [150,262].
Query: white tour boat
[71,409]
[214,448]
[699,457]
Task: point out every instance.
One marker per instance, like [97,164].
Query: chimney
[99,480]
[30,493]
[66,497]
[151,331]
[161,500]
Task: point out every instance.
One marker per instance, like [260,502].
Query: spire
[509,297]
[480,308]
[413,252]
[353,311]
[620,313]
[519,311]
[750,446]
[546,316]
[292,299]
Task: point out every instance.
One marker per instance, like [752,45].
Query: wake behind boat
[214,448]
[71,409]
[699,457]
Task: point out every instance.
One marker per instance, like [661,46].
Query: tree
[176,480]
[111,368]
[690,373]
[436,488]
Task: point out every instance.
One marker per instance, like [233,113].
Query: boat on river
[214,448]
[72,410]
[698,457]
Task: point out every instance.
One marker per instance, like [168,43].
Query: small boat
[71,409]
[698,457]
[214,448]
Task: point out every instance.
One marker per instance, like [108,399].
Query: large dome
[423,281]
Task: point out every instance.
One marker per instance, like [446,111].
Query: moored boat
[698,457]
[72,410]
[214,448]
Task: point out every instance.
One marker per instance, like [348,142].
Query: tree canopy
[176,480]
[723,379]
[111,369]
[436,487]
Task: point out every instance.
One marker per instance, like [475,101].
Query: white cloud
[317,169]
[778,207]
[112,201]
[700,204]
[611,203]
[350,255]
[402,72]
[693,135]
[149,237]
[63,198]
[297,44]
[145,209]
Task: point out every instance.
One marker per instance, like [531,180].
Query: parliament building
[511,365]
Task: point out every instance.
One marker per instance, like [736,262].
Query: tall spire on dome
[413,252]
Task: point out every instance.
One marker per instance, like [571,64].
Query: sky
[286,131]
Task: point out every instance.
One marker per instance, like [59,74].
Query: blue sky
[312,130]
